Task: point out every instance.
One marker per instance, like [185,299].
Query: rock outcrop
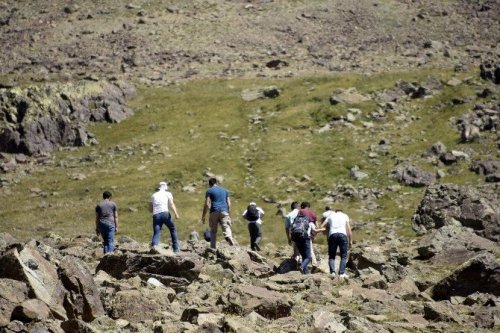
[38,119]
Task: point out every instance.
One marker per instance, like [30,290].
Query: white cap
[252,204]
[162,186]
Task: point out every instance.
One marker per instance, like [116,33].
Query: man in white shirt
[339,235]
[254,214]
[159,208]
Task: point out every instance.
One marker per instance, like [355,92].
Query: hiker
[159,208]
[339,235]
[218,203]
[106,221]
[289,218]
[302,230]
[326,213]
[254,215]
[305,209]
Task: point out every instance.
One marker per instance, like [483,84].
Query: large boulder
[38,119]
[453,243]
[25,264]
[12,293]
[480,274]
[412,176]
[83,300]
[489,70]
[126,265]
[244,261]
[476,208]
[243,299]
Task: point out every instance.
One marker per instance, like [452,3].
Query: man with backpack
[289,218]
[302,230]
[253,215]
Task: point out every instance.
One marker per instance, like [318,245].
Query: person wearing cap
[106,221]
[218,203]
[254,214]
[159,208]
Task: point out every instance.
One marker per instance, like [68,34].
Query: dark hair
[305,204]
[212,181]
[294,205]
[328,208]
[106,195]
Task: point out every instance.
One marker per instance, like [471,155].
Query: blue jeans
[158,221]
[108,236]
[337,240]
[304,246]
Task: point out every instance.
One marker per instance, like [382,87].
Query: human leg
[305,251]
[158,220]
[173,232]
[313,256]
[259,236]
[332,250]
[343,253]
[254,231]
[225,222]
[108,236]
[213,222]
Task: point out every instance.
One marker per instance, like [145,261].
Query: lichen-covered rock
[38,119]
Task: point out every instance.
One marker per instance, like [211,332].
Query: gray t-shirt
[105,211]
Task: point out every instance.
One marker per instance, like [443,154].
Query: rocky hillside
[65,285]
[161,42]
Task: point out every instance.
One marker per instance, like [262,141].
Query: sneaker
[333,274]
[344,276]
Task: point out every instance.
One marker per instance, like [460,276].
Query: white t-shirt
[160,201]
[337,223]
[327,213]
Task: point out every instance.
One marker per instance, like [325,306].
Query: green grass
[180,133]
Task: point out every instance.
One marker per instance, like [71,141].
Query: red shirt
[309,213]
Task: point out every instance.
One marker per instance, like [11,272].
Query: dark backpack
[252,213]
[299,228]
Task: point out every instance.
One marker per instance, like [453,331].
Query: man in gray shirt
[106,221]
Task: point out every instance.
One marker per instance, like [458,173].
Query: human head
[294,205]
[163,186]
[212,181]
[305,204]
[327,208]
[106,195]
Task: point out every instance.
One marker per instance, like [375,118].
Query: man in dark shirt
[218,203]
[106,221]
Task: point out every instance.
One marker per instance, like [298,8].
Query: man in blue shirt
[218,203]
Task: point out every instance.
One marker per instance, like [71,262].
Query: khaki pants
[224,220]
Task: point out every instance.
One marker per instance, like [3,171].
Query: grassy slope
[181,132]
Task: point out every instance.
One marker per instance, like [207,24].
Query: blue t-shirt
[218,198]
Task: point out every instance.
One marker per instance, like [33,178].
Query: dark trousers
[334,241]
[255,235]
[304,246]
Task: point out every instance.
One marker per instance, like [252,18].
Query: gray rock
[30,310]
[485,168]
[249,95]
[447,204]
[412,176]
[480,274]
[83,301]
[490,71]
[12,293]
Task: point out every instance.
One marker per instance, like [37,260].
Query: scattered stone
[348,96]
[412,176]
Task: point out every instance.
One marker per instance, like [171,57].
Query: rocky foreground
[446,281]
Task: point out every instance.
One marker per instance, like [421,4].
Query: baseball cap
[162,186]
[252,204]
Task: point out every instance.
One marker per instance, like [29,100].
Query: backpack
[252,213]
[299,228]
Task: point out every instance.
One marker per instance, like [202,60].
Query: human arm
[228,205]
[206,207]
[174,208]
[97,222]
[349,233]
[115,218]
[150,207]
